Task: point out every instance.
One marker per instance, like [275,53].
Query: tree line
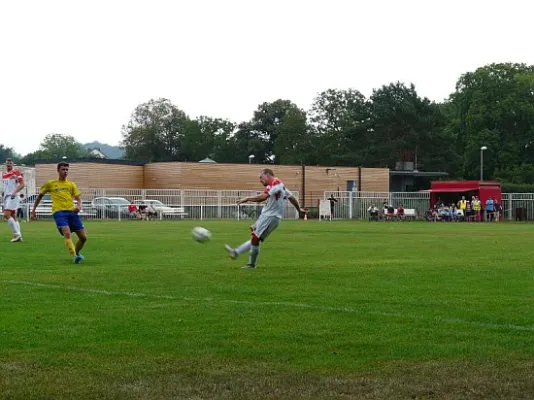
[492,106]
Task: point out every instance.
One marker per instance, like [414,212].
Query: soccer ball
[201,234]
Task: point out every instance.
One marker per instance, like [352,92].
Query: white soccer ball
[201,234]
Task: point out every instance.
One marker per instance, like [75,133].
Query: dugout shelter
[452,191]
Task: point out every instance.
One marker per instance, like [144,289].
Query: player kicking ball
[275,194]
[66,214]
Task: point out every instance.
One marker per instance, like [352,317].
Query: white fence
[354,205]
[165,204]
[221,204]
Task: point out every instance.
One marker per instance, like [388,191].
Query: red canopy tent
[452,191]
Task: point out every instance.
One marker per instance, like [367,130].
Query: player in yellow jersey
[65,212]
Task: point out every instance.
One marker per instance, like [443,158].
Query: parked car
[155,204]
[111,207]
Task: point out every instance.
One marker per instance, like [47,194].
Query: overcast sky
[80,68]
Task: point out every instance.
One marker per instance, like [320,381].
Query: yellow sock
[70,247]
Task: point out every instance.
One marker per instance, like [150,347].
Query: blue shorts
[70,219]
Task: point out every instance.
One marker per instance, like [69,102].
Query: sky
[81,68]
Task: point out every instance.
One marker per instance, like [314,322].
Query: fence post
[201,212]
[238,212]
[510,206]
[350,204]
[219,204]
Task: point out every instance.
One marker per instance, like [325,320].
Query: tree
[209,137]
[155,132]
[31,158]
[494,107]
[7,152]
[340,121]
[261,135]
[56,146]
[404,127]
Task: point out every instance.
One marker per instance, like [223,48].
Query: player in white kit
[276,195]
[13,184]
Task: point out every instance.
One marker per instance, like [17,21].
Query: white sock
[243,247]
[18,226]
[13,225]
[253,255]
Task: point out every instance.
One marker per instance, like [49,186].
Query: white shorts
[11,204]
[264,226]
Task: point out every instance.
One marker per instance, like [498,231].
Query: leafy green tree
[340,127]
[7,152]
[406,127]
[494,107]
[57,146]
[31,158]
[208,137]
[155,132]
[276,126]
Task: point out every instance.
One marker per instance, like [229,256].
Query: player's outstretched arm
[37,201]
[254,199]
[295,203]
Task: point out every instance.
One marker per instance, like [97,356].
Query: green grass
[335,310]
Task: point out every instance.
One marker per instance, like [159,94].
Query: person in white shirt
[276,195]
[13,184]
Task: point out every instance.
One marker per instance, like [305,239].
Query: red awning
[452,190]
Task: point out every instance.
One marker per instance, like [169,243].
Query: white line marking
[274,303]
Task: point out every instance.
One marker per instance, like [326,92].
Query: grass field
[335,310]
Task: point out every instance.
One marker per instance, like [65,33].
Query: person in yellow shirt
[65,212]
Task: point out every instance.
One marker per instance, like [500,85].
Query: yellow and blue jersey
[61,193]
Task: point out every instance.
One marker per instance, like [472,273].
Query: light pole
[250,158]
[482,162]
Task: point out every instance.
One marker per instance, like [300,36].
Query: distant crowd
[466,210]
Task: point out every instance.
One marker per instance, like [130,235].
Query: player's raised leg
[242,248]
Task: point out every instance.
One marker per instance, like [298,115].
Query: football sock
[12,225]
[79,246]
[18,226]
[253,255]
[70,247]
[243,247]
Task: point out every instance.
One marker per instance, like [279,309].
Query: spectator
[332,201]
[151,212]
[373,213]
[390,213]
[498,209]
[143,210]
[477,208]
[132,208]
[20,212]
[400,212]
[489,209]
[462,204]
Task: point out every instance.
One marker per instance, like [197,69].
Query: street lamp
[482,162]
[250,158]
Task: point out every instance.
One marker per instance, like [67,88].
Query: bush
[517,187]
